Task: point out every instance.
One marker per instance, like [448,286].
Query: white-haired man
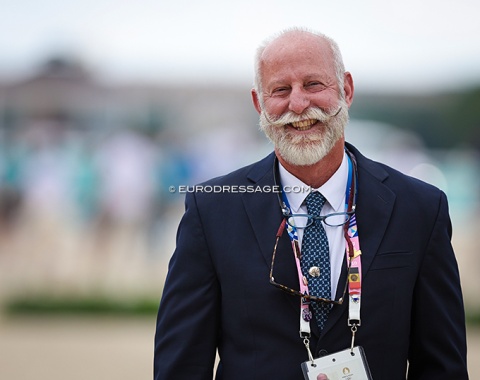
[273,280]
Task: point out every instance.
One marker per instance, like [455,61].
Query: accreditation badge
[350,364]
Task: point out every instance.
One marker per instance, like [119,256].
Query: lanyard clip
[306,342]
[354,330]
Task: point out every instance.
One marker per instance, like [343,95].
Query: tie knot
[314,202]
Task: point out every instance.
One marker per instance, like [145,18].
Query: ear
[256,101]
[348,88]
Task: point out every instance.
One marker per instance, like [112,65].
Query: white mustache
[312,113]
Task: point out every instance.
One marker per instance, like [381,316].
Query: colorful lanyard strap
[354,261]
[353,255]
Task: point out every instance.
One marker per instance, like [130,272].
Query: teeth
[304,124]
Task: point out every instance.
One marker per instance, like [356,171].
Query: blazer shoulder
[247,174]
[387,174]
[399,183]
[230,188]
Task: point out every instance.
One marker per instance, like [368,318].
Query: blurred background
[106,105]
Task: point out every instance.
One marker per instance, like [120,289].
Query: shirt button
[322,352]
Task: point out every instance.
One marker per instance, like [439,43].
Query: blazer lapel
[264,213]
[374,208]
[262,207]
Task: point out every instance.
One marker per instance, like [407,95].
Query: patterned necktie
[315,261]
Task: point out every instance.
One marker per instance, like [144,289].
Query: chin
[307,151]
[303,156]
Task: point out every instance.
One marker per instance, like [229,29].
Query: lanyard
[352,252]
[305,312]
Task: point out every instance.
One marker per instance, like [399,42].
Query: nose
[299,101]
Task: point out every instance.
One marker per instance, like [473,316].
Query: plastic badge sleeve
[343,365]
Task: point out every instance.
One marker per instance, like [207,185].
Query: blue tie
[315,260]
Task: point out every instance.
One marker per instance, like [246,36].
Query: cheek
[276,107]
[325,100]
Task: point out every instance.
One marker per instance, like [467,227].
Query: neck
[317,174]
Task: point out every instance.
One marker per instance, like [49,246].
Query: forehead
[296,54]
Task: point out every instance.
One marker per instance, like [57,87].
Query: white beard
[308,149]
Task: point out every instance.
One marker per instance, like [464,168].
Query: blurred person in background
[312,250]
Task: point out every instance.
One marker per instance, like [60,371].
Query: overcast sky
[409,45]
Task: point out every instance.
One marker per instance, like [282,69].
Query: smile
[304,125]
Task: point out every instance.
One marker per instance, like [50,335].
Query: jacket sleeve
[438,338]
[188,317]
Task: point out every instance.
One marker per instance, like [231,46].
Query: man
[219,293]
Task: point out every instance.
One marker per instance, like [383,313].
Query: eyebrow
[278,82]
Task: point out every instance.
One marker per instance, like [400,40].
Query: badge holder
[349,364]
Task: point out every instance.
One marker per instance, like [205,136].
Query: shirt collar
[333,190]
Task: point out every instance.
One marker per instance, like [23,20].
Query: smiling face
[302,108]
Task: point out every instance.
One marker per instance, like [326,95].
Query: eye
[315,86]
[279,91]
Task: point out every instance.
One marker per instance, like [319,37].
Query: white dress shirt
[334,192]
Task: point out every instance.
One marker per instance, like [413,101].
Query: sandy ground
[97,349]
[76,349]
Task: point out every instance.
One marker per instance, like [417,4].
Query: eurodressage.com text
[240,189]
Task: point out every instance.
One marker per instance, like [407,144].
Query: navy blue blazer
[217,293]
